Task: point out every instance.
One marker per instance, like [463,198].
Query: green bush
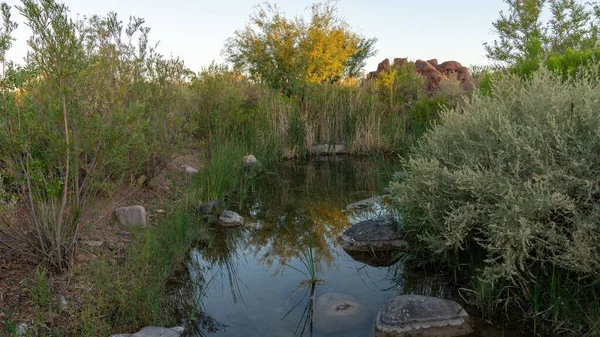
[572,61]
[510,182]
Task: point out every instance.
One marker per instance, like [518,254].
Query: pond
[252,281]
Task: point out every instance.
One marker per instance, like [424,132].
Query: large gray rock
[374,235]
[214,207]
[329,149]
[335,313]
[230,219]
[154,331]
[132,216]
[423,316]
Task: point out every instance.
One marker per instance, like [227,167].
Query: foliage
[573,61]
[511,180]
[524,37]
[88,109]
[286,53]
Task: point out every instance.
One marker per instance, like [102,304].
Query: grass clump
[507,188]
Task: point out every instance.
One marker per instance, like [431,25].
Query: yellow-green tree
[286,53]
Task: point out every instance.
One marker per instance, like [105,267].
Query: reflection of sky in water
[249,274]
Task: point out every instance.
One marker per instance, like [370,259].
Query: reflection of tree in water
[301,204]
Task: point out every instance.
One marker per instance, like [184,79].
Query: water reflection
[254,280]
[251,278]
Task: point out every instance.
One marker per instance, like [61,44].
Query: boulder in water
[424,316]
[230,219]
[378,234]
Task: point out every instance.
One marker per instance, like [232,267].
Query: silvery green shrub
[516,175]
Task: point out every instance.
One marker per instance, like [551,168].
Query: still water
[251,281]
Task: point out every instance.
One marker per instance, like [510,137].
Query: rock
[125,235]
[335,313]
[93,243]
[374,235]
[431,74]
[399,62]
[64,305]
[230,218]
[154,331]
[23,329]
[250,160]
[131,216]
[432,71]
[81,258]
[214,207]
[190,170]
[328,149]
[415,315]
[383,65]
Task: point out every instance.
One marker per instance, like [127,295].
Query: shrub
[511,181]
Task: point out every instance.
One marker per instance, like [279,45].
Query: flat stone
[230,218]
[154,331]
[212,207]
[335,313]
[330,149]
[93,243]
[378,234]
[132,216]
[424,316]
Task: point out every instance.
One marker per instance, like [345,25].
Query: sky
[195,31]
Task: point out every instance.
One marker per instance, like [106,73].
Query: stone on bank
[131,216]
[154,331]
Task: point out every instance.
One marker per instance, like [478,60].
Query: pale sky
[196,30]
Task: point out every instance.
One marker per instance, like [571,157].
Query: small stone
[230,218]
[23,328]
[161,211]
[190,170]
[250,160]
[125,235]
[64,305]
[93,243]
[81,258]
[415,315]
[212,207]
[132,216]
[154,331]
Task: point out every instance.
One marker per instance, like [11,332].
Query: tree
[524,37]
[286,53]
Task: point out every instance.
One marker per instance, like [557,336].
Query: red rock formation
[399,62]
[431,70]
[433,76]
[383,65]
